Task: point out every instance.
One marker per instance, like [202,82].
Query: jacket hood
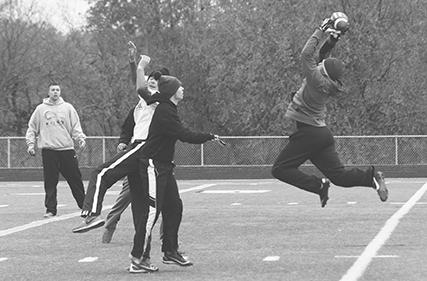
[48,102]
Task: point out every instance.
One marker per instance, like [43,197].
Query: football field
[231,230]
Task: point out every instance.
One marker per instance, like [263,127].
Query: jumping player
[312,139]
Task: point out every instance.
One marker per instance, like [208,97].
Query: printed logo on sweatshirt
[54,118]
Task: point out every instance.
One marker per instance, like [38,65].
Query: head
[153,78]
[54,91]
[171,88]
[333,67]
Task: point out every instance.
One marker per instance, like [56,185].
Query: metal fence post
[8,153]
[103,150]
[396,152]
[202,155]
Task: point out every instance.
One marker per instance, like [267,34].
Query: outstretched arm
[140,72]
[132,61]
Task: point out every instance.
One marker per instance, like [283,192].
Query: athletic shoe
[380,186]
[324,190]
[141,266]
[107,235]
[175,258]
[90,222]
[48,215]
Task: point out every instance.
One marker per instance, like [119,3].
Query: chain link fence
[240,151]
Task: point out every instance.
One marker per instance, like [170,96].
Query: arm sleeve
[325,50]
[127,128]
[33,128]
[76,129]
[308,58]
[132,65]
[171,125]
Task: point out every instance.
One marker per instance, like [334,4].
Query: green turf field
[231,230]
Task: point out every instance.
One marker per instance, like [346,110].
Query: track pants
[163,198]
[64,162]
[317,145]
[104,176]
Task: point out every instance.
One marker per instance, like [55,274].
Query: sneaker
[90,222]
[141,266]
[107,236]
[380,186]
[324,190]
[175,258]
[49,215]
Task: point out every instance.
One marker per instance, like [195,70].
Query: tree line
[238,61]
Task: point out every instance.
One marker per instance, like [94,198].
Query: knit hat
[334,68]
[157,73]
[168,85]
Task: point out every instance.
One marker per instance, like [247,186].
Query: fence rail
[240,151]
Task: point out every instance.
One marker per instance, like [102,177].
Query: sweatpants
[317,145]
[163,199]
[122,202]
[107,174]
[64,162]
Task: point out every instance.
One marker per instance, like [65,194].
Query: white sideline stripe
[221,191]
[29,193]
[236,204]
[72,215]
[2,206]
[379,256]
[271,258]
[42,222]
[293,203]
[3,259]
[352,203]
[360,265]
[89,259]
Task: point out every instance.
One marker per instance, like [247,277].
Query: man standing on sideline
[57,125]
[312,139]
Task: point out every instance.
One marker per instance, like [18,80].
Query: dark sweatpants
[317,145]
[64,162]
[163,191]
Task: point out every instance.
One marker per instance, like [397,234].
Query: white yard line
[363,261]
[72,215]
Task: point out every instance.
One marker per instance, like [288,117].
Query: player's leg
[51,176]
[172,216]
[113,217]
[302,144]
[69,168]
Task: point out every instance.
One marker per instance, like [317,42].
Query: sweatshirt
[165,129]
[309,104]
[55,125]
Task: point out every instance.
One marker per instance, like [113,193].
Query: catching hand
[326,23]
[131,51]
[144,61]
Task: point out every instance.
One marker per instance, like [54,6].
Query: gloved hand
[131,51]
[326,23]
[143,61]
[219,140]
[340,22]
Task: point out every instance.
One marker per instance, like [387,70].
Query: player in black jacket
[157,167]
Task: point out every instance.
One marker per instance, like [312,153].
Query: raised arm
[140,72]
[132,61]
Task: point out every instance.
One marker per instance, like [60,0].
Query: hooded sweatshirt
[55,124]
[309,103]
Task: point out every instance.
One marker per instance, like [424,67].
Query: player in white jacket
[55,125]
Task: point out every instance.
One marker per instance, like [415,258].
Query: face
[179,93]
[152,84]
[54,92]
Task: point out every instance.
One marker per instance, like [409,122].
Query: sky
[63,14]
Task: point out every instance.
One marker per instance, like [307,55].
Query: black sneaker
[176,258]
[90,222]
[324,190]
[378,183]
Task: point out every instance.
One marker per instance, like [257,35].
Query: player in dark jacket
[157,167]
[312,139]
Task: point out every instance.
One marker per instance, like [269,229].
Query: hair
[156,74]
[52,83]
